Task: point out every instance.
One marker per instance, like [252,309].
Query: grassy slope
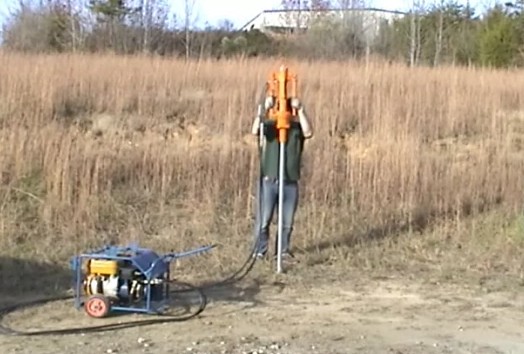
[100,148]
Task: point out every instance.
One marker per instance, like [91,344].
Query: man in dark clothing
[300,130]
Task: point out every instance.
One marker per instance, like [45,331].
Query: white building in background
[289,21]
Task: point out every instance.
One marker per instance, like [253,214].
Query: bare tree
[189,20]
[354,23]
[153,19]
[77,22]
[440,30]
[416,18]
[350,4]
[45,25]
[226,25]
[412,47]
[294,13]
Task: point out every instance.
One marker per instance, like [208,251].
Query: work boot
[287,257]
[259,255]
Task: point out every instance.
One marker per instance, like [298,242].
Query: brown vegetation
[102,148]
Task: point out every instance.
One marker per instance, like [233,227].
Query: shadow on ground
[22,279]
[420,222]
[245,292]
[378,233]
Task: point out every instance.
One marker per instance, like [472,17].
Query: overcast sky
[241,11]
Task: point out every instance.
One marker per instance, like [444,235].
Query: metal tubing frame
[148,307]
[280,206]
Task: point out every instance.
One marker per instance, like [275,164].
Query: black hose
[102,328]
[249,263]
[236,276]
[251,259]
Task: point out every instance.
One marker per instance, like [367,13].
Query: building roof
[290,18]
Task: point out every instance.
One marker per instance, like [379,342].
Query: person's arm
[305,124]
[256,126]
[307,129]
[268,103]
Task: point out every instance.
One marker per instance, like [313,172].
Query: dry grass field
[412,172]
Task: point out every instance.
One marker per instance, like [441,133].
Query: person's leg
[268,196]
[289,208]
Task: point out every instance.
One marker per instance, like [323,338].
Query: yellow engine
[112,279]
[102,278]
[102,267]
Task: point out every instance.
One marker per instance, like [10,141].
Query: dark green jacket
[270,151]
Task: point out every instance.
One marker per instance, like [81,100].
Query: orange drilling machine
[282,88]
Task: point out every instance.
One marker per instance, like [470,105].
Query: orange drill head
[282,86]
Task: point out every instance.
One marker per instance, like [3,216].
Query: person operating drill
[300,129]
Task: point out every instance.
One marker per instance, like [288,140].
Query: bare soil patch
[303,313]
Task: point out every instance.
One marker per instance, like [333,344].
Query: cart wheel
[97,306]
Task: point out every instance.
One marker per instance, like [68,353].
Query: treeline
[449,32]
[123,27]
[444,32]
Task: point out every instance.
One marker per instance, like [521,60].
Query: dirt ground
[302,313]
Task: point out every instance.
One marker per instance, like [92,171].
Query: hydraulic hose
[101,328]
[236,276]
[249,263]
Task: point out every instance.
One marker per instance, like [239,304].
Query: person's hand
[296,104]
[269,102]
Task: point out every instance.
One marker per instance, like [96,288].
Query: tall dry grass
[102,148]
